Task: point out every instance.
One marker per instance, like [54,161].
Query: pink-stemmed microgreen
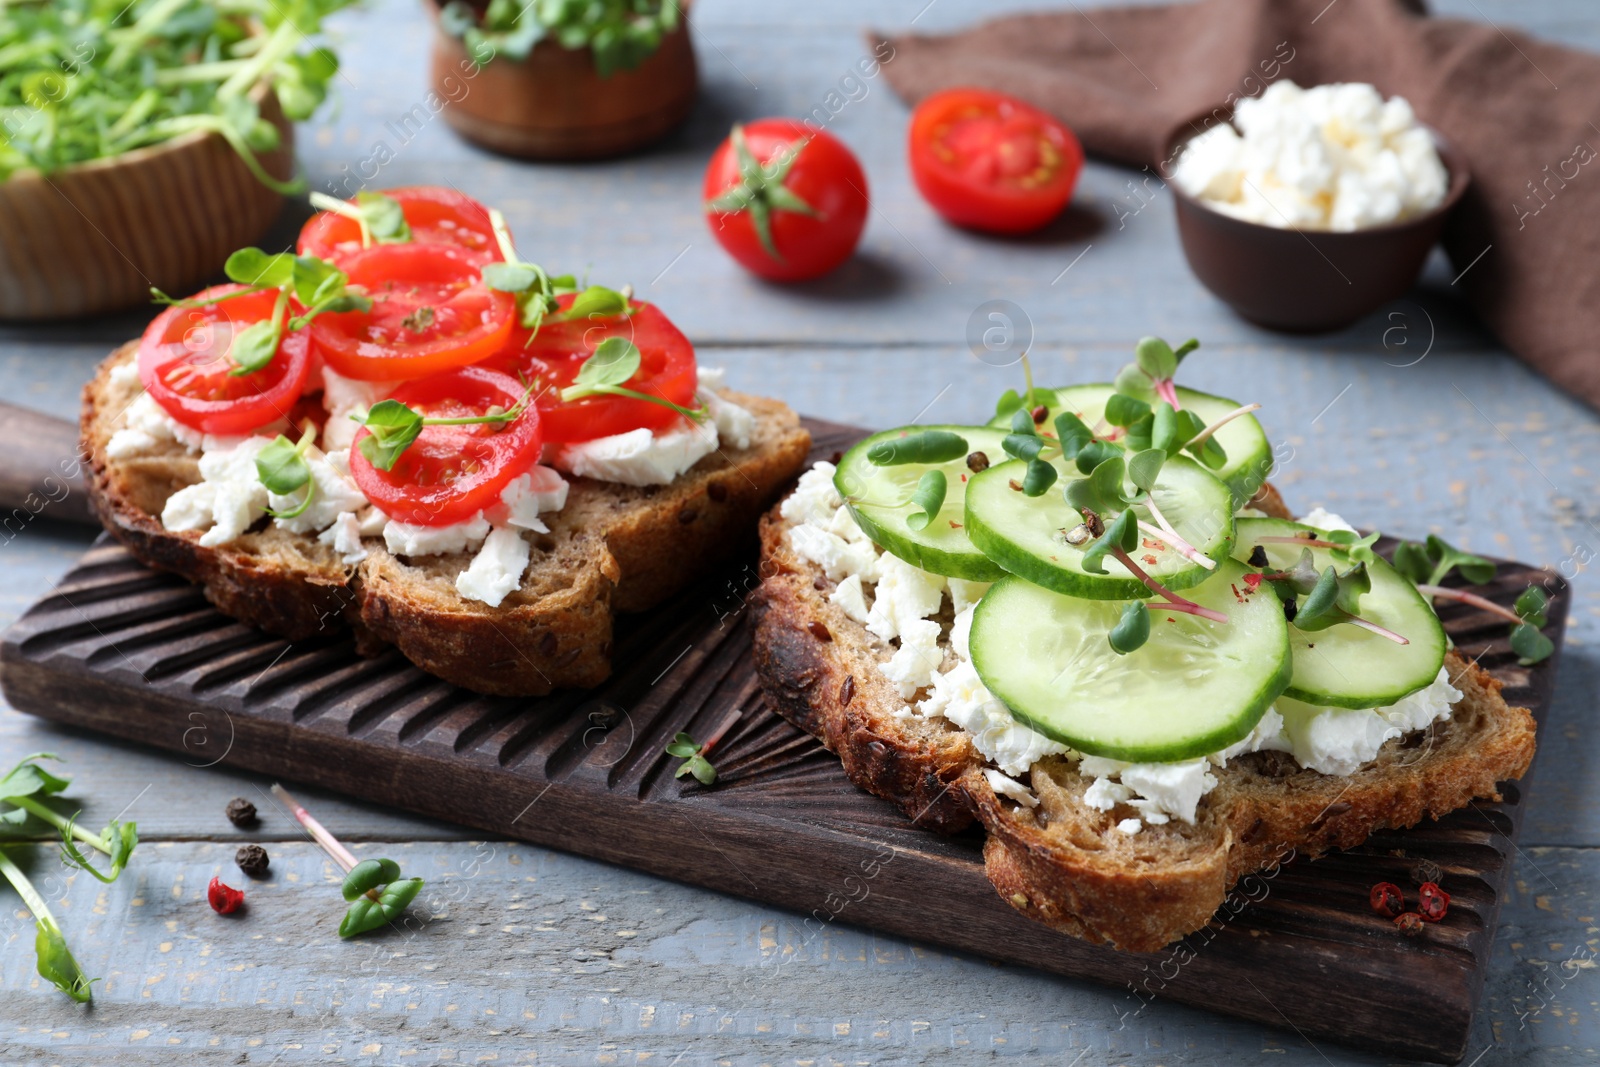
[1429,562]
[1118,539]
[695,756]
[1155,363]
[374,889]
[1314,600]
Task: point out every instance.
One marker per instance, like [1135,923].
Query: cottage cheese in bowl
[1335,157]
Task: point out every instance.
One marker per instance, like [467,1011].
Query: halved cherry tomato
[430,312]
[991,162]
[801,221]
[450,473]
[551,362]
[185,365]
[437,216]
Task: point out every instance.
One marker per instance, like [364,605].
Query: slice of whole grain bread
[611,548]
[1063,862]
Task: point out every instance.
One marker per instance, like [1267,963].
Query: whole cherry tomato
[786,201]
[430,312]
[450,473]
[551,361]
[991,162]
[186,367]
[436,215]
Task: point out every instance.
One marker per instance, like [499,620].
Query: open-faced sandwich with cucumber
[406,429]
[1093,627]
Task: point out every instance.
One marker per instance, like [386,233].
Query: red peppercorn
[1433,902]
[1387,900]
[1409,923]
[224,899]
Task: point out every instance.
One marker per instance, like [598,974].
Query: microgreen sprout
[530,286]
[614,361]
[282,467]
[695,755]
[320,287]
[394,426]
[23,787]
[1428,563]
[619,34]
[1119,538]
[1155,363]
[92,79]
[1132,629]
[376,892]
[379,217]
[1315,600]
[760,190]
[926,446]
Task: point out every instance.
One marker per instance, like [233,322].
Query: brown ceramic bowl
[94,237]
[553,105]
[1305,281]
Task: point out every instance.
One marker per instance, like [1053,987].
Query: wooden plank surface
[1518,480]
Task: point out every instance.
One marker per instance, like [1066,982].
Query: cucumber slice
[1194,687]
[1345,666]
[942,547]
[1249,452]
[1026,535]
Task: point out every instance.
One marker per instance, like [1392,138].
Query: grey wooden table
[1415,420]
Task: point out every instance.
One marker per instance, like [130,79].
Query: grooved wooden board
[140,655]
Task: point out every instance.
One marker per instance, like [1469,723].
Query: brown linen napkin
[1522,112]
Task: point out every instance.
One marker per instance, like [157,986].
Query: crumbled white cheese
[126,373]
[961,633]
[734,424]
[1333,157]
[528,496]
[1169,789]
[960,696]
[640,457]
[913,664]
[838,558]
[1324,520]
[334,495]
[1266,735]
[1339,741]
[964,594]
[372,522]
[1103,794]
[851,598]
[1011,789]
[342,397]
[228,499]
[497,568]
[344,537]
[1129,826]
[903,593]
[814,500]
[406,539]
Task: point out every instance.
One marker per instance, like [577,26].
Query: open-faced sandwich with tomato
[1092,627]
[406,429]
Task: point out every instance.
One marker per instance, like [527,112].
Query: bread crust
[1135,892]
[613,548]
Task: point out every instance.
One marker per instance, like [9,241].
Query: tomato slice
[551,362]
[991,162]
[437,215]
[185,365]
[450,473]
[430,312]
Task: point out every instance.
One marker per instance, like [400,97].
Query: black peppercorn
[252,860]
[977,462]
[241,812]
[1258,557]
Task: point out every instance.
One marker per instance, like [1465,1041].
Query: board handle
[41,474]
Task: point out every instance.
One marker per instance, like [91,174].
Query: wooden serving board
[141,655]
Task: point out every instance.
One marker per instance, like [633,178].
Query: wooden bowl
[96,236]
[1306,281]
[553,105]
